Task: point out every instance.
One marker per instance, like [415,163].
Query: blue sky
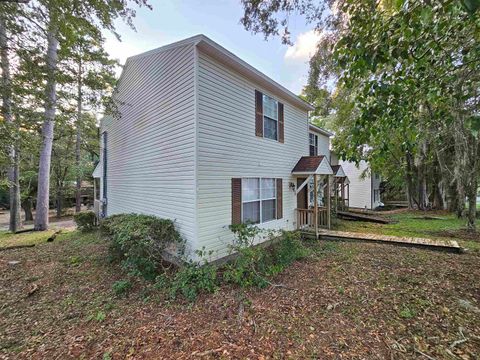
[171,20]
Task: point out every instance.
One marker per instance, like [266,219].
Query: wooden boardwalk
[445,245]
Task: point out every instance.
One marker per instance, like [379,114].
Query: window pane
[311,138]
[251,212]
[268,188]
[269,128]
[250,189]
[313,150]
[270,107]
[268,210]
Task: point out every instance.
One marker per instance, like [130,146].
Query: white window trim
[264,116]
[260,198]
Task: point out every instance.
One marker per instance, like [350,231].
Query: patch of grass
[8,239]
[407,313]
[98,316]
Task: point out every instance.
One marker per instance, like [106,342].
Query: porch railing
[306,218]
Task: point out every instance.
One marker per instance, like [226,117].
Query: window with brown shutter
[269,117]
[236,201]
[258,113]
[279,199]
[281,122]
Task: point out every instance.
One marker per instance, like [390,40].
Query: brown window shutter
[236,201]
[258,113]
[281,123]
[279,199]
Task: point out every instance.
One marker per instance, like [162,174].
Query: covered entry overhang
[314,175]
[341,189]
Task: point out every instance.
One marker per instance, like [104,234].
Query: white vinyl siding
[323,144]
[361,195]
[228,148]
[151,151]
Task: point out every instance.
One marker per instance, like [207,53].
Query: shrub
[85,220]
[139,241]
[248,267]
[254,264]
[193,279]
[121,287]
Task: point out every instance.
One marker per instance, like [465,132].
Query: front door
[302,198]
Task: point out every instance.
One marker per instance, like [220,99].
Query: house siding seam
[151,160]
[228,148]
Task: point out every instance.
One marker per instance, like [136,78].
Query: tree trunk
[443,180]
[41,218]
[423,202]
[78,185]
[459,171]
[13,169]
[27,208]
[58,202]
[409,182]
[472,204]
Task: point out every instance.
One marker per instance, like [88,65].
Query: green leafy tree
[58,23]
[411,69]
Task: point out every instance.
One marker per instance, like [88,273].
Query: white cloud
[304,46]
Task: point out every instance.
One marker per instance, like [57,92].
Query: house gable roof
[221,54]
[320,130]
[309,165]
[97,173]
[338,171]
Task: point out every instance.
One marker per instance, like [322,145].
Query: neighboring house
[207,140]
[363,188]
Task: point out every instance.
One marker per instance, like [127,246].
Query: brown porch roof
[338,171]
[312,165]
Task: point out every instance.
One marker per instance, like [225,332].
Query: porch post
[348,195]
[335,194]
[328,201]
[315,204]
[343,195]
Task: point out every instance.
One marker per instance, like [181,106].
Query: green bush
[254,264]
[85,220]
[138,241]
[121,287]
[193,279]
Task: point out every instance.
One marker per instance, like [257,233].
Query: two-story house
[205,139]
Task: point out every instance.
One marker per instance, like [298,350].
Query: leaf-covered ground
[346,301]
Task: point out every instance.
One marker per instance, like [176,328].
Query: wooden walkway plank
[348,215]
[446,245]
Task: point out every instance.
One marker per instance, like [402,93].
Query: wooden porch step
[444,245]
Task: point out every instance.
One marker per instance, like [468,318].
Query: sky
[173,20]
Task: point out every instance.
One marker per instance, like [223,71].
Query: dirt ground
[346,301]
[65,222]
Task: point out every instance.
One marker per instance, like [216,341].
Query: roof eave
[320,130]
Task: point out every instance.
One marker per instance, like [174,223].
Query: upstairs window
[313,140]
[270,118]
